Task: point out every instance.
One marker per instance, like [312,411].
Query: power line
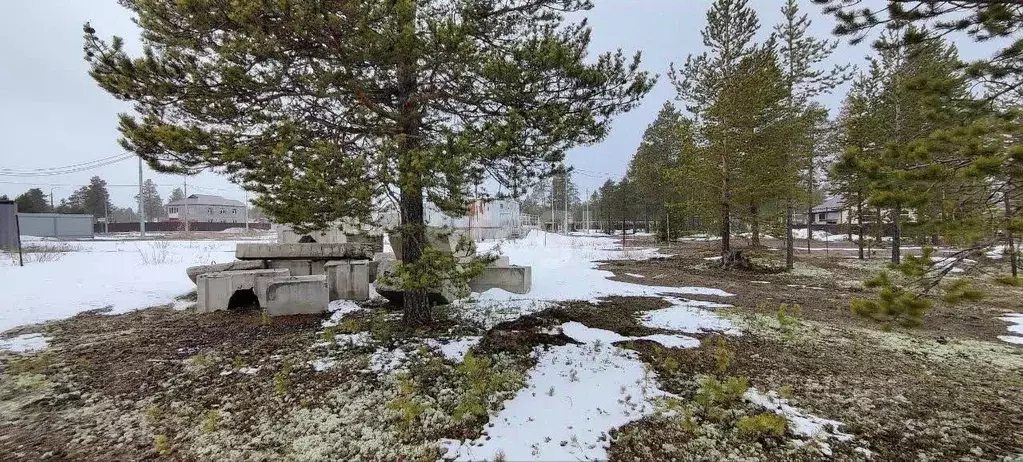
[67,170]
[34,170]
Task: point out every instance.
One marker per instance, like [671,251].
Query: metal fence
[59,225]
[171,226]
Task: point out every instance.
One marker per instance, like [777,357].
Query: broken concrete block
[223,290]
[297,295]
[442,239]
[195,271]
[348,279]
[514,279]
[310,251]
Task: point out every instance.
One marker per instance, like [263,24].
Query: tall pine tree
[322,107]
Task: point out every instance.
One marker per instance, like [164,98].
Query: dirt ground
[166,384]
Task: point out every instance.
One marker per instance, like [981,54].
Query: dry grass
[41,253]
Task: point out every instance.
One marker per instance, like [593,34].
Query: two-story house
[206,208]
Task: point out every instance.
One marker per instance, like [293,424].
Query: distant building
[206,208]
[833,211]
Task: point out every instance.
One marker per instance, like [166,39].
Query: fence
[171,226]
[8,225]
[59,225]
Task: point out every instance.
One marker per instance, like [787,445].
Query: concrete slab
[195,271]
[514,279]
[348,279]
[214,290]
[310,251]
[297,295]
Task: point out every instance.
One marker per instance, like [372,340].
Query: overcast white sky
[52,114]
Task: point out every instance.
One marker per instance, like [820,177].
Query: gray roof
[830,204]
[205,199]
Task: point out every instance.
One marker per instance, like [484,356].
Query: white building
[206,208]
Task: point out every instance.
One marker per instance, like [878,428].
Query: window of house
[234,211]
[173,210]
[210,210]
[822,216]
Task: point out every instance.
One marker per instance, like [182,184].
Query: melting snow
[339,309]
[801,423]
[575,394]
[454,350]
[1015,321]
[637,276]
[25,343]
[688,316]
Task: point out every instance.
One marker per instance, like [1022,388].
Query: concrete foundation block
[195,271]
[215,290]
[307,251]
[295,267]
[348,279]
[514,279]
[297,295]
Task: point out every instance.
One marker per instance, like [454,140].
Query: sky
[52,114]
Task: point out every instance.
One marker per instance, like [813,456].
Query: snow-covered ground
[117,274]
[1015,321]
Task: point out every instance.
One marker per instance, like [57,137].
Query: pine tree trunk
[726,229]
[859,219]
[790,246]
[809,227]
[413,230]
[897,234]
[755,225]
[1008,234]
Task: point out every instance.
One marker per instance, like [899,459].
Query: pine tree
[176,195]
[32,201]
[800,56]
[322,107]
[659,151]
[153,203]
[728,36]
[92,199]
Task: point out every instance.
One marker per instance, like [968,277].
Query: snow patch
[25,343]
[637,276]
[689,316]
[581,333]
[1015,321]
[574,395]
[455,349]
[338,309]
[801,423]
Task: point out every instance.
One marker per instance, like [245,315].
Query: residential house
[206,208]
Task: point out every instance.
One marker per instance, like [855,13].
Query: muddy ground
[166,384]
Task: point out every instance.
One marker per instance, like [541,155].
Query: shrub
[763,425]
[904,291]
[161,444]
[1009,281]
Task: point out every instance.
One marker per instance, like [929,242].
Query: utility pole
[53,208]
[552,203]
[246,211]
[106,218]
[142,206]
[565,180]
[587,211]
[186,203]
